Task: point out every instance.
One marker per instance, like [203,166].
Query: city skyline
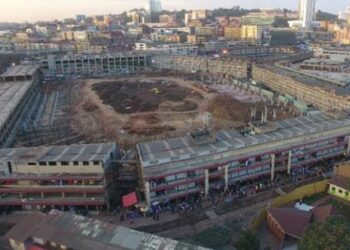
[36,10]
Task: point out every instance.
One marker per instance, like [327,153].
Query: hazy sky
[32,10]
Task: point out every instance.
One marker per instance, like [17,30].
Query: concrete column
[63,195]
[226,176]
[289,162]
[348,148]
[148,193]
[272,167]
[42,195]
[206,188]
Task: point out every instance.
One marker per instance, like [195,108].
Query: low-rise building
[339,185]
[323,65]
[44,177]
[58,230]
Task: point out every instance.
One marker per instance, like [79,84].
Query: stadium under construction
[180,166]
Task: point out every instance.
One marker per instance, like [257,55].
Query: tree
[332,234]
[280,22]
[325,16]
[214,237]
[248,240]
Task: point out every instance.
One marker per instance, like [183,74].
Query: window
[31,163]
[347,193]
[96,163]
[64,163]
[42,163]
[340,191]
[75,163]
[333,189]
[85,163]
[52,163]
[191,174]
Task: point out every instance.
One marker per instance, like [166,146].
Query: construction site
[134,109]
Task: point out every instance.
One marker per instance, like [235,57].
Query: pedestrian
[122,217]
[157,216]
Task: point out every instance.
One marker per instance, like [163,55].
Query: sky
[33,10]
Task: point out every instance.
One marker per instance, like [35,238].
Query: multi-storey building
[178,167]
[19,100]
[307,12]
[43,177]
[252,32]
[95,64]
[190,64]
[319,93]
[233,33]
[195,39]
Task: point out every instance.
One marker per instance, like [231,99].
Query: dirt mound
[90,106]
[132,97]
[228,108]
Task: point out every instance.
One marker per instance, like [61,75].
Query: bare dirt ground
[134,109]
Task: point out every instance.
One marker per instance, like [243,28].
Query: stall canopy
[129,199]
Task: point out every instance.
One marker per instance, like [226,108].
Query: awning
[129,199]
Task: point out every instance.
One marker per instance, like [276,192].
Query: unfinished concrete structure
[177,167]
[222,67]
[74,175]
[19,99]
[95,64]
[322,94]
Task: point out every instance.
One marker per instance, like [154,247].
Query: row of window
[63,163]
[340,191]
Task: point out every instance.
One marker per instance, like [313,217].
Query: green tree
[332,234]
[214,237]
[248,240]
[325,16]
[280,22]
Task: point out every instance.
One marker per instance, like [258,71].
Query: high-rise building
[307,12]
[344,15]
[154,6]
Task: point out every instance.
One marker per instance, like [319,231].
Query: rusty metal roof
[78,232]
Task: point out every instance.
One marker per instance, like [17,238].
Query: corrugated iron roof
[78,232]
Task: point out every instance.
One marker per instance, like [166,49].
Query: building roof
[78,232]
[21,70]
[70,153]
[165,152]
[341,181]
[11,93]
[292,221]
[323,212]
